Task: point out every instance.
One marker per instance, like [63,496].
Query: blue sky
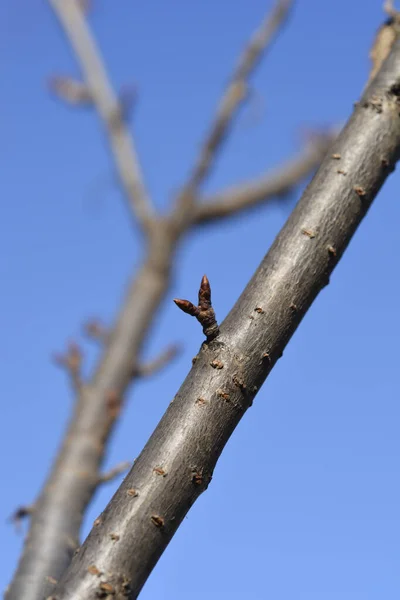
[305,500]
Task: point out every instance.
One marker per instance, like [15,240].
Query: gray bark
[177,463]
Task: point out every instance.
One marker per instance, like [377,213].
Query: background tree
[213,260]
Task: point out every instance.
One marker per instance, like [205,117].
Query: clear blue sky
[305,500]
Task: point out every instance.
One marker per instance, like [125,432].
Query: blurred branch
[155,365]
[232,98]
[20,514]
[72,19]
[94,330]
[71,361]
[279,181]
[114,472]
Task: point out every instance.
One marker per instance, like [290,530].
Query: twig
[114,472]
[251,194]
[72,19]
[94,330]
[211,401]
[157,364]
[231,100]
[204,312]
[71,361]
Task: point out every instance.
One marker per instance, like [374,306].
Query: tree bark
[177,463]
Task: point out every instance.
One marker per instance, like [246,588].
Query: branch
[55,524]
[71,361]
[95,330]
[98,87]
[190,437]
[158,363]
[251,194]
[232,99]
[114,472]
[74,477]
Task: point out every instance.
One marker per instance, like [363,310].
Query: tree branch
[71,361]
[114,472]
[153,366]
[74,477]
[190,437]
[72,20]
[251,194]
[232,98]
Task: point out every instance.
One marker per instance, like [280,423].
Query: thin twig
[228,372]
[72,19]
[157,364]
[114,472]
[232,98]
[250,194]
[94,330]
[71,361]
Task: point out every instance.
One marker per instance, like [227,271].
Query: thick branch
[229,371]
[251,194]
[72,19]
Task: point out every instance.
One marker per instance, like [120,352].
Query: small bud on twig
[204,312]
[95,330]
[72,362]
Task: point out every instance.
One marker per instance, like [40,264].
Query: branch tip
[204,312]
[155,365]
[114,472]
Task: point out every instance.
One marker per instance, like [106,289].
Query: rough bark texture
[177,463]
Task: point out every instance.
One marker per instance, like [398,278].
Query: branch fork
[204,312]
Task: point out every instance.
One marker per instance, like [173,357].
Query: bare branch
[250,194]
[161,361]
[71,91]
[211,401]
[114,472]
[231,101]
[55,524]
[72,20]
